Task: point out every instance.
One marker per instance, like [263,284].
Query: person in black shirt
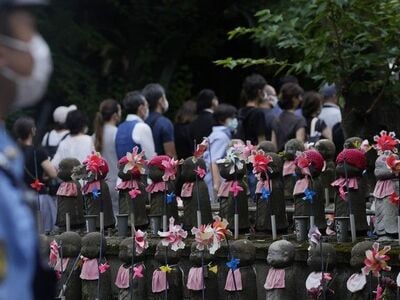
[201,127]
[183,140]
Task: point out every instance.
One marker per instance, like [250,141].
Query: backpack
[51,150]
[315,135]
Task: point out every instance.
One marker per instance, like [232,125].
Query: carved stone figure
[197,278]
[281,278]
[267,146]
[289,168]
[308,193]
[158,191]
[322,276]
[130,279]
[167,275]
[226,195]
[350,187]
[70,244]
[240,283]
[385,211]
[132,181]
[69,196]
[327,149]
[91,273]
[194,191]
[270,193]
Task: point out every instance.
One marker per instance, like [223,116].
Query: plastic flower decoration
[314,236]
[174,236]
[265,194]
[386,142]
[37,185]
[309,195]
[104,267]
[204,237]
[393,163]
[376,260]
[234,156]
[96,193]
[248,150]
[166,269]
[236,188]
[221,228]
[134,193]
[141,242]
[394,199]
[170,197]
[96,165]
[302,161]
[138,272]
[233,263]
[54,253]
[170,166]
[260,162]
[200,172]
[200,149]
[133,162]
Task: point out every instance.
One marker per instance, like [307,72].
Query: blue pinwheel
[309,195]
[265,193]
[233,263]
[96,193]
[170,198]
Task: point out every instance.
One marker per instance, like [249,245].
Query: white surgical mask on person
[232,124]
[166,105]
[29,89]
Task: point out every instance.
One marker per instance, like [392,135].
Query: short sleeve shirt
[163,130]
[286,126]
[32,154]
[253,123]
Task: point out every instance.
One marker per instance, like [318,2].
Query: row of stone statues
[83,274]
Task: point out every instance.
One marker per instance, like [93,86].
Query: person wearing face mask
[289,125]
[25,67]
[134,131]
[161,126]
[218,141]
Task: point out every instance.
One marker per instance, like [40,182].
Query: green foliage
[349,42]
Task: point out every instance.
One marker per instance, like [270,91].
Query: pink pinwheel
[260,162]
[221,228]
[200,172]
[141,241]
[104,267]
[386,142]
[54,253]
[133,162]
[134,193]
[174,236]
[201,148]
[236,188]
[248,150]
[393,163]
[170,166]
[376,260]
[314,236]
[138,272]
[96,164]
[204,237]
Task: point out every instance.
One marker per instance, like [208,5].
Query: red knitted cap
[354,157]
[157,161]
[315,159]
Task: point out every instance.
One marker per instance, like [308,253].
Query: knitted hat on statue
[353,157]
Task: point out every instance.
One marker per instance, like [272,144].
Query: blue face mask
[232,124]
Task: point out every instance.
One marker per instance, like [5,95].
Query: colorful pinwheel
[376,260]
[386,142]
[141,242]
[133,162]
[174,237]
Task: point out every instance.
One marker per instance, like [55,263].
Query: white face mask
[146,114]
[232,124]
[29,89]
[166,105]
[273,100]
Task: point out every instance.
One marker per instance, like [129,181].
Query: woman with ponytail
[105,129]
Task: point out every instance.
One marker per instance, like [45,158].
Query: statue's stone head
[328,255]
[126,251]
[358,253]
[91,245]
[65,168]
[291,147]
[353,142]
[189,166]
[281,254]
[173,256]
[156,168]
[327,149]
[225,167]
[245,251]
[195,256]
[267,146]
[129,175]
[70,242]
[275,165]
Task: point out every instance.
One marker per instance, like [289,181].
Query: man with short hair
[161,126]
[330,111]
[25,67]
[134,131]
[201,127]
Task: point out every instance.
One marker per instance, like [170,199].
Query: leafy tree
[353,43]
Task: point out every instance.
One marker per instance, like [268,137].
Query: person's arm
[216,177]
[168,138]
[49,168]
[301,134]
[273,139]
[327,133]
[143,136]
[169,149]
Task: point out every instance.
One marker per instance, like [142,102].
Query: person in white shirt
[52,139]
[105,130]
[134,131]
[330,112]
[78,144]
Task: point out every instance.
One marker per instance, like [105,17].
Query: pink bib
[225,188]
[195,279]
[67,189]
[90,269]
[156,187]
[187,189]
[122,279]
[230,283]
[356,282]
[289,167]
[127,185]
[275,279]
[384,188]
[159,281]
